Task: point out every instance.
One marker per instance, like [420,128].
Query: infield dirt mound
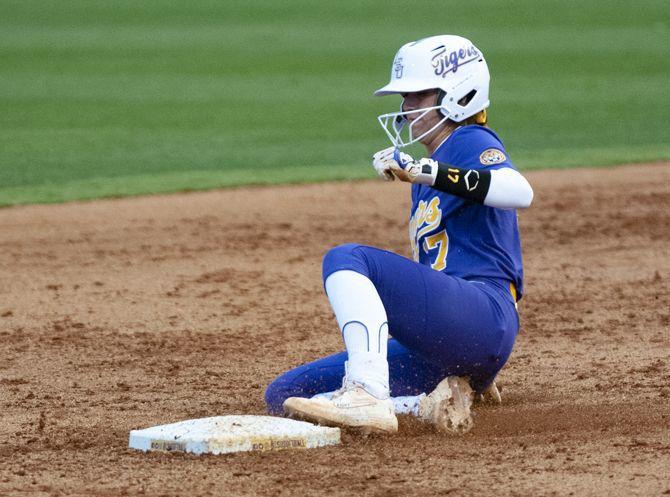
[122,314]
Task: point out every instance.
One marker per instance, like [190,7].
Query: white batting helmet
[451,64]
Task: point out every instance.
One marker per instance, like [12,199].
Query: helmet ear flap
[441,95]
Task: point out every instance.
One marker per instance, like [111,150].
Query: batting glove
[391,163]
[423,171]
[381,161]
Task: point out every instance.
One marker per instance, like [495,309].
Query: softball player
[452,310]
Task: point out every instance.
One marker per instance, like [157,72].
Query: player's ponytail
[480,118]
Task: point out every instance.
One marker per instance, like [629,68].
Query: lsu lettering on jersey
[460,237]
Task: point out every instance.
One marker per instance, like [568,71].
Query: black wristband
[470,184]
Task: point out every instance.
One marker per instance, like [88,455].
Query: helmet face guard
[450,64]
[395,123]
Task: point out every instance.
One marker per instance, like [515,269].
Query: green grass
[105,98]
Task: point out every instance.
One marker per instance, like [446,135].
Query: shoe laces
[347,385]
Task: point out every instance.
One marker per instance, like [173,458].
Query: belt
[500,284]
[512,290]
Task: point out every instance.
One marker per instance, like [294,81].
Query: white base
[224,434]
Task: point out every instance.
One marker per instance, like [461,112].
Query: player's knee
[275,395]
[350,256]
[294,383]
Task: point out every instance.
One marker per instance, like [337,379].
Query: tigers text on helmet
[448,63]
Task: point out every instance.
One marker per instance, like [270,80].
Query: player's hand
[391,163]
[382,162]
[422,171]
[402,166]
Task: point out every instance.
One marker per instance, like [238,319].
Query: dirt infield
[122,314]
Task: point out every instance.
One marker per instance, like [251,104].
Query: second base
[225,434]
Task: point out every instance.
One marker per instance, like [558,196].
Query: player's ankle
[369,371]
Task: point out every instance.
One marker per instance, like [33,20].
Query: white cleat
[448,406]
[350,407]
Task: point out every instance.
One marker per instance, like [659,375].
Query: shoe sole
[453,413]
[295,412]
[363,431]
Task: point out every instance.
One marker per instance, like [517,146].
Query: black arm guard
[470,184]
